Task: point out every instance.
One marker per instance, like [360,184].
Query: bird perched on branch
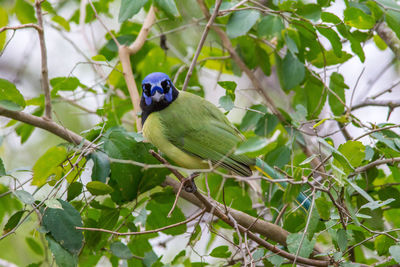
[193,132]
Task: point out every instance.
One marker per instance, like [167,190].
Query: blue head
[158,93]
[157,86]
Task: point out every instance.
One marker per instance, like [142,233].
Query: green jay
[193,132]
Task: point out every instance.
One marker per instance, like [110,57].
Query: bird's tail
[302,200]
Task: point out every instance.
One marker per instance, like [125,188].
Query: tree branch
[124,56]
[378,103]
[47,125]
[43,51]
[23,26]
[389,37]
[143,232]
[201,43]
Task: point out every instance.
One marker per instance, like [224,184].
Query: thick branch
[201,43]
[43,51]
[389,37]
[47,125]
[124,56]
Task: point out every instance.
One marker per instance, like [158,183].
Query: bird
[193,132]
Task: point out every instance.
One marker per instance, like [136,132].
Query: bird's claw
[189,183]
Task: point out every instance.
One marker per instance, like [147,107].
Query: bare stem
[45,71]
[201,43]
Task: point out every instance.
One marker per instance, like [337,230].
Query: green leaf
[395,253]
[354,151]
[25,12]
[64,84]
[159,207]
[2,168]
[241,22]
[13,221]
[266,125]
[61,223]
[3,22]
[333,38]
[329,58]
[323,207]
[270,26]
[34,245]
[226,102]
[293,242]
[25,197]
[62,22]
[98,188]
[99,58]
[168,6]
[338,86]
[392,18]
[107,220]
[252,116]
[342,239]
[101,166]
[221,252]
[379,42]
[128,180]
[310,11]
[46,164]
[355,17]
[279,157]
[251,145]
[361,191]
[293,72]
[382,244]
[330,18]
[10,97]
[230,87]
[25,130]
[121,250]
[129,8]
[377,204]
[74,190]
[63,257]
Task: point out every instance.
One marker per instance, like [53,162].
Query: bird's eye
[166,85]
[146,88]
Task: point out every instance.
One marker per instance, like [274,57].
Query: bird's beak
[157,96]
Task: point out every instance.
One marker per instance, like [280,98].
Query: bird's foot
[189,183]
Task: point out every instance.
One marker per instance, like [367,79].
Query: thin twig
[143,232]
[43,51]
[201,43]
[23,26]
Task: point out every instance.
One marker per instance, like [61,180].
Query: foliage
[352,183]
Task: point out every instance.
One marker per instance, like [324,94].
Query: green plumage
[193,126]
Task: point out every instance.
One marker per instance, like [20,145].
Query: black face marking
[147,89]
[166,85]
[160,105]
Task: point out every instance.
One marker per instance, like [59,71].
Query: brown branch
[23,26]
[43,51]
[378,103]
[204,202]
[47,125]
[389,37]
[201,43]
[374,164]
[143,232]
[124,56]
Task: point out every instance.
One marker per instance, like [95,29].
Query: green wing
[199,128]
